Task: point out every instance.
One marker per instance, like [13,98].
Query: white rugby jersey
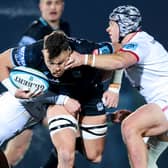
[150,73]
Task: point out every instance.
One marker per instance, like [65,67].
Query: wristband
[86,59]
[90,60]
[62,99]
[8,84]
[93,60]
[114,90]
[115,87]
[66,99]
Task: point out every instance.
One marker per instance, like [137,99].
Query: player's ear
[44,51]
[70,50]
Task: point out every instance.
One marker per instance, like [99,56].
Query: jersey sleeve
[89,47]
[36,31]
[104,48]
[139,50]
[26,40]
[29,55]
[18,56]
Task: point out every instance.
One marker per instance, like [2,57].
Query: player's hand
[26,94]
[72,106]
[76,59]
[110,99]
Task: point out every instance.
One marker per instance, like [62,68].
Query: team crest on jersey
[100,106]
[130,46]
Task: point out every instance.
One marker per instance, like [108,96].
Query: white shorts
[13,116]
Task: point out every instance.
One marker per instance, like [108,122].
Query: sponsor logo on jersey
[130,46]
[19,56]
[104,50]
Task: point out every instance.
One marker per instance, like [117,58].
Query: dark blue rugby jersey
[40,28]
[77,80]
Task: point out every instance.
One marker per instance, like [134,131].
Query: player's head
[128,19]
[56,52]
[51,10]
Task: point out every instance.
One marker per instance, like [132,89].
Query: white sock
[156,148]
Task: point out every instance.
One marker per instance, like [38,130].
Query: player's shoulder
[80,45]
[30,55]
[88,46]
[38,29]
[37,24]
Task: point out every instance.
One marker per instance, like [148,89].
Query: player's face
[51,10]
[56,65]
[113,31]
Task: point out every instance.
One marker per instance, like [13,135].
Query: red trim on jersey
[165,108]
[134,54]
[95,52]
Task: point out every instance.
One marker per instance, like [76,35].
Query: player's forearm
[115,85]
[5,64]
[51,98]
[118,75]
[106,62]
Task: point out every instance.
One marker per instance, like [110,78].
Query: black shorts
[92,105]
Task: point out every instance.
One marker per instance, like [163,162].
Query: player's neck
[128,37]
[54,24]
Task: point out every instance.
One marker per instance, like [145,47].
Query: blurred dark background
[88,19]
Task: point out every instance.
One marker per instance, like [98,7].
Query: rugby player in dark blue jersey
[77,100]
[51,19]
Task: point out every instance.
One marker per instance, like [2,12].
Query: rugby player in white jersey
[146,65]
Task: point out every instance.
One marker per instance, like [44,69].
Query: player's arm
[116,81]
[5,64]
[117,60]
[71,105]
[115,85]
[111,95]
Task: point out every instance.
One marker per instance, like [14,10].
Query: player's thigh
[93,132]
[62,127]
[17,147]
[22,140]
[163,137]
[149,116]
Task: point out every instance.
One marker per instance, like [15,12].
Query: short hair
[55,43]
